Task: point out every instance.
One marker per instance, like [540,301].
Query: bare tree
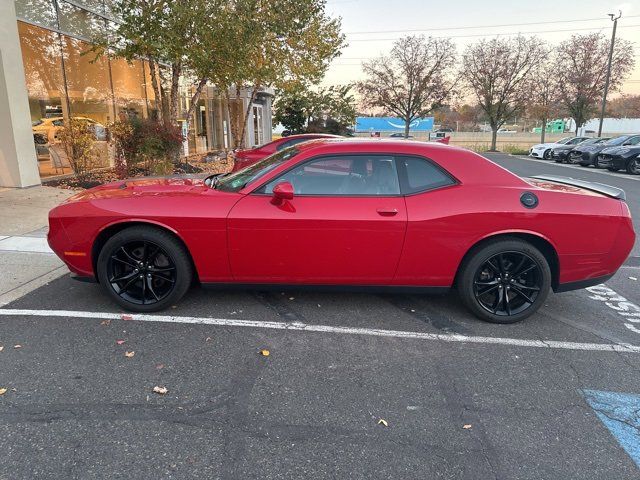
[545,101]
[581,69]
[415,78]
[499,72]
[625,106]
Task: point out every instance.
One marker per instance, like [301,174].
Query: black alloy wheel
[507,283]
[141,272]
[144,268]
[504,280]
[633,167]
[546,155]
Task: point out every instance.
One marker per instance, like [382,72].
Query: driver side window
[366,175]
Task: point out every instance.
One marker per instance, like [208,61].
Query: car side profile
[621,158]
[589,154]
[349,214]
[565,153]
[543,150]
[244,158]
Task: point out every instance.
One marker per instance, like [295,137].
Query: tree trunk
[244,119]
[233,124]
[494,138]
[407,125]
[156,88]
[194,100]
[176,70]
[544,130]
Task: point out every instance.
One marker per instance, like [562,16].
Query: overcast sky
[469,20]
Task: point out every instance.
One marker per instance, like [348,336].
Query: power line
[494,34]
[482,26]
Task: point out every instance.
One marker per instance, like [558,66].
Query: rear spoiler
[607,190]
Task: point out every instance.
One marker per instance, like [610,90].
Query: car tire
[633,167]
[613,169]
[525,293]
[546,154]
[144,269]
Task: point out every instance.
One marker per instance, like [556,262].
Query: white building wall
[18,165]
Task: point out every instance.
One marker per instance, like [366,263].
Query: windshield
[617,140]
[237,180]
[564,140]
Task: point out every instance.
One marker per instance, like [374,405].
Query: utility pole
[614,18]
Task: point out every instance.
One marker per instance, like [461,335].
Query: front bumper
[536,153]
[559,154]
[612,161]
[587,158]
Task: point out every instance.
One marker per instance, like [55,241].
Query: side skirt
[567,287]
[328,288]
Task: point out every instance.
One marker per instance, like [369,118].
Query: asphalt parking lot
[554,397]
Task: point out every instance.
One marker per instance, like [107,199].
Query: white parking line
[623,176]
[516,342]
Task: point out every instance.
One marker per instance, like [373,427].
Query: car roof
[311,135]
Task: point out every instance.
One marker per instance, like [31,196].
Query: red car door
[345,225]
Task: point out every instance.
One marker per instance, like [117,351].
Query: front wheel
[633,167]
[546,155]
[504,281]
[144,269]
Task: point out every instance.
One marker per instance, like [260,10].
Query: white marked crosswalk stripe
[516,342]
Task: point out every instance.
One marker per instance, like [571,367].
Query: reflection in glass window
[77,21]
[423,175]
[128,87]
[42,12]
[343,175]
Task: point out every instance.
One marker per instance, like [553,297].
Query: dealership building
[45,78]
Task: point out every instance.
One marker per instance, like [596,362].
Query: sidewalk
[26,262]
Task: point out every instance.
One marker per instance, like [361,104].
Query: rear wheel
[144,269]
[504,281]
[633,167]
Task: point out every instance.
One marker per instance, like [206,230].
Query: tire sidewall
[478,256]
[172,246]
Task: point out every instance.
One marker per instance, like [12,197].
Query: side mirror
[281,192]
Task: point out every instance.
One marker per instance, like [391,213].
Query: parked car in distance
[444,130]
[621,158]
[543,150]
[377,215]
[51,126]
[244,158]
[563,153]
[399,135]
[589,153]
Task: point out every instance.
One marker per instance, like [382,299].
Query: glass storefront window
[77,21]
[128,87]
[95,5]
[42,12]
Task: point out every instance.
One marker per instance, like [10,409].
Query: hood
[547,145]
[564,147]
[170,185]
[620,150]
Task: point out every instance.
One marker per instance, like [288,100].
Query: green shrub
[146,144]
[78,139]
[515,150]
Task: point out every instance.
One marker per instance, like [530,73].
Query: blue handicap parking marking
[620,412]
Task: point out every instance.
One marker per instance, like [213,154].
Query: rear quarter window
[419,175]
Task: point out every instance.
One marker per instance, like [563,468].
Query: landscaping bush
[145,144]
[78,140]
[515,150]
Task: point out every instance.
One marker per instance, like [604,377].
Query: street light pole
[614,18]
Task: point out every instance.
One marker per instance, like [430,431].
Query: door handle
[387,212]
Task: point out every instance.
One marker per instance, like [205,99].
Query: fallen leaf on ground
[265,353]
[382,421]
[120,342]
[129,354]
[126,317]
[467,426]
[3,391]
[160,390]
[17,346]
[105,322]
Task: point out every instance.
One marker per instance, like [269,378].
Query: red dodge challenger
[381,215]
[244,158]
